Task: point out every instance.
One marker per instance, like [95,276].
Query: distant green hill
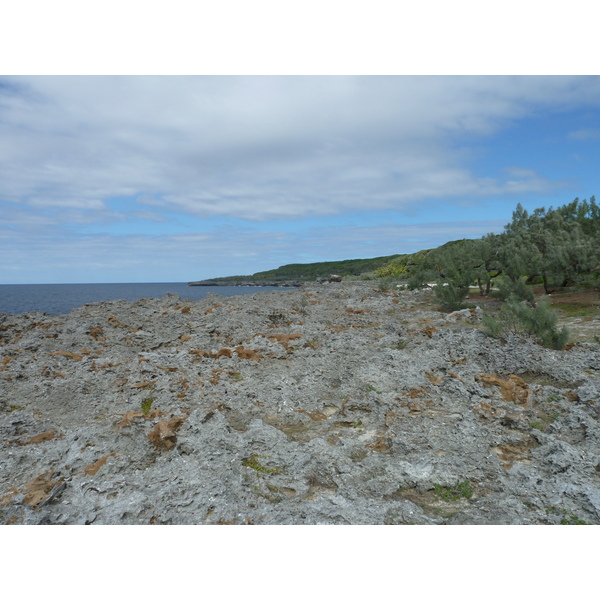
[401,265]
[397,266]
[307,272]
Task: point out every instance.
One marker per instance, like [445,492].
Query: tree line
[554,248]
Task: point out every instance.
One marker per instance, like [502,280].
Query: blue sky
[168,178]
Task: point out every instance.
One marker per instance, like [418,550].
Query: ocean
[60,298]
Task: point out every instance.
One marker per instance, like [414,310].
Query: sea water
[60,298]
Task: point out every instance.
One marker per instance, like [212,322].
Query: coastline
[241,283]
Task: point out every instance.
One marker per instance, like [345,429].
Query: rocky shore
[242,283]
[327,404]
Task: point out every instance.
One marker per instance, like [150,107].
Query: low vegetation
[519,318]
[310,272]
[453,493]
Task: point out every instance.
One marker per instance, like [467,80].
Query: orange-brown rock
[513,389]
[315,416]
[163,436]
[247,354]
[96,332]
[71,355]
[41,437]
[284,339]
[40,487]
[95,467]
[128,418]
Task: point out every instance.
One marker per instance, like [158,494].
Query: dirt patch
[570,300]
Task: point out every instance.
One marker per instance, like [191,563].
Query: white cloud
[258,147]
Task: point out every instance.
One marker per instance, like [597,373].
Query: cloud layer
[100,155]
[258,147]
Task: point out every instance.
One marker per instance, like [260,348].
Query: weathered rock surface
[321,405]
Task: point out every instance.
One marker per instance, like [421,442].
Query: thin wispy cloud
[583,135]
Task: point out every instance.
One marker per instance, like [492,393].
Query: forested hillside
[555,248]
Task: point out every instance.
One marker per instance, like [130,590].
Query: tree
[489,256]
[558,245]
[454,267]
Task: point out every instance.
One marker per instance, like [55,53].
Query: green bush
[419,279]
[509,288]
[451,296]
[392,270]
[518,318]
[386,284]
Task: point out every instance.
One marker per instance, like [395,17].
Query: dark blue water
[60,298]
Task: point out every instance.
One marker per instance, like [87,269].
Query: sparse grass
[451,494]
[550,418]
[572,520]
[147,405]
[544,380]
[400,345]
[579,310]
[348,425]
[370,388]
[568,519]
[253,462]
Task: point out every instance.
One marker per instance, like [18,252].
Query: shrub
[451,295]
[518,318]
[515,288]
[385,284]
[419,279]
[147,405]
[392,270]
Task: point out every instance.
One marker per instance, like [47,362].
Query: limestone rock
[326,404]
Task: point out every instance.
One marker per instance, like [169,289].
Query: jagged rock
[324,404]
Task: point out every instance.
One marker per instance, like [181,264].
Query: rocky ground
[328,404]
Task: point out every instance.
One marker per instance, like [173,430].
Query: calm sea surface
[60,298]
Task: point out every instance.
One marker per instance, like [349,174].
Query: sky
[181,178]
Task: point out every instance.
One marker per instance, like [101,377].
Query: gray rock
[321,405]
